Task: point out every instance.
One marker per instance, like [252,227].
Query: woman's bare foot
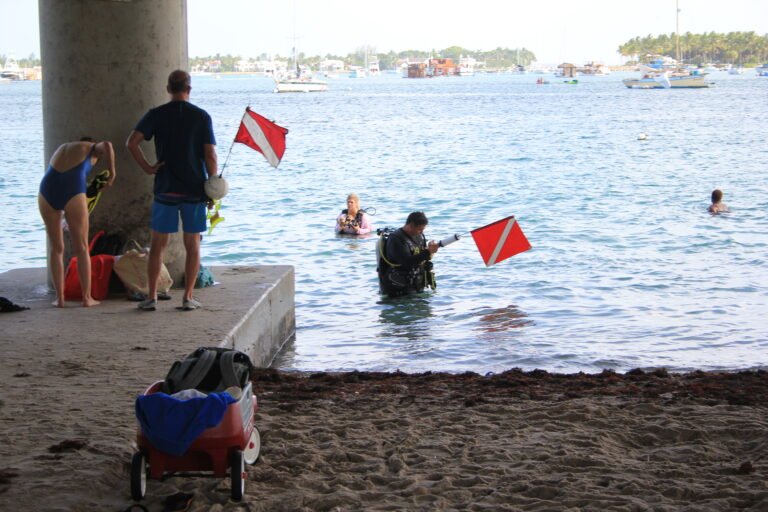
[90,302]
[58,303]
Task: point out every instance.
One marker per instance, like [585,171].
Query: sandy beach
[644,440]
[394,441]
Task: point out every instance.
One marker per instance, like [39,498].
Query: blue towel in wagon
[172,425]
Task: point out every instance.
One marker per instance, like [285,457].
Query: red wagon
[230,445]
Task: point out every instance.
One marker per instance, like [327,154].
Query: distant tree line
[226,62]
[743,48]
[498,58]
[29,62]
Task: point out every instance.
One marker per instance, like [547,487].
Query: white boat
[654,78]
[736,70]
[762,70]
[466,66]
[373,67]
[356,72]
[12,71]
[300,80]
[593,69]
[300,84]
[466,71]
[667,73]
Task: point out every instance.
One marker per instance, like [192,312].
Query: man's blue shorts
[165,218]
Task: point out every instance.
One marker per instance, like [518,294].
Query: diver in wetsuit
[404,258]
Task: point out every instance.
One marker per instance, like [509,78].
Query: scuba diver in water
[404,256]
[353,220]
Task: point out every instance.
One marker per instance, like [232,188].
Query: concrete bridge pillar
[105,63]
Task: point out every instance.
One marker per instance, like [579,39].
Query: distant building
[272,67]
[431,68]
[418,70]
[443,67]
[331,66]
[245,66]
[567,70]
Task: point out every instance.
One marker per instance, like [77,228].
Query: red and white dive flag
[263,135]
[500,240]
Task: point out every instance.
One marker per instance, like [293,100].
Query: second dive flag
[500,240]
[261,134]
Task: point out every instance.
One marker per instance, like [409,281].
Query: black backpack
[209,369]
[111,244]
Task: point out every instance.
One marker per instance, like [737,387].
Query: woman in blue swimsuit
[62,195]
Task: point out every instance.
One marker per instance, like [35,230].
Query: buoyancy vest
[396,279]
[358,218]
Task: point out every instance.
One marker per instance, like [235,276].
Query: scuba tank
[381,265]
[397,282]
[380,244]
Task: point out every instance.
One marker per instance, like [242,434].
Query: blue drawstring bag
[204,278]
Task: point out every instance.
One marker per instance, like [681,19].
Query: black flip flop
[178,501]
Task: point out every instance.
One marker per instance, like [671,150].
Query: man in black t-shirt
[186,157]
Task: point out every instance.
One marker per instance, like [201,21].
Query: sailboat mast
[295,54]
[677,30]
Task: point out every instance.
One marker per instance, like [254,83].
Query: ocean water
[627,269]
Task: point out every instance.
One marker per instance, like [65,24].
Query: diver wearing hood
[404,264]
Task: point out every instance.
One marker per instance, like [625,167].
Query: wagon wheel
[138,476]
[237,472]
[253,448]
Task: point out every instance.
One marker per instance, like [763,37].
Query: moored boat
[593,69]
[664,73]
[357,72]
[300,84]
[466,66]
[667,73]
[667,80]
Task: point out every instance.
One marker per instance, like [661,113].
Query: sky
[554,30]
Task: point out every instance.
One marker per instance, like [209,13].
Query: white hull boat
[300,85]
[671,82]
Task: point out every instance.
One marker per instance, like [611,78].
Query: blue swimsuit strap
[83,161]
[87,160]
[90,153]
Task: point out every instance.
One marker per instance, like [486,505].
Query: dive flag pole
[261,134]
[449,240]
[229,153]
[227,159]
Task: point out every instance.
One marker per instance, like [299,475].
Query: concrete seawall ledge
[250,308]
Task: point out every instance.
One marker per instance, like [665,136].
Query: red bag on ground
[101,272]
